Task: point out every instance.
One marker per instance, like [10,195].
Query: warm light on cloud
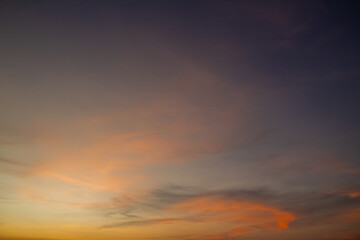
[349,193]
[179,120]
[243,215]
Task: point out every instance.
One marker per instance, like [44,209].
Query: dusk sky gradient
[179,120]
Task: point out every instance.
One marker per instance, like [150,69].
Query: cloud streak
[241,212]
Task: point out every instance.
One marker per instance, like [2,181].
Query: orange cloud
[349,193]
[352,216]
[107,149]
[242,215]
[342,236]
[354,194]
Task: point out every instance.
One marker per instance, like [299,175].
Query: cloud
[190,205]
[106,147]
[143,222]
[27,238]
[239,212]
[14,162]
[244,215]
[343,236]
[14,167]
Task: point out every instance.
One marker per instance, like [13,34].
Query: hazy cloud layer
[248,111]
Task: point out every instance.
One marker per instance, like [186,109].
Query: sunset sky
[179,120]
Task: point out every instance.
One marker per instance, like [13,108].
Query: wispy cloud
[245,210]
[14,162]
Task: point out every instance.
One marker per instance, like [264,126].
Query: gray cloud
[141,222]
[14,162]
[309,207]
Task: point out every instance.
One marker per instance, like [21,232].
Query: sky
[179,120]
